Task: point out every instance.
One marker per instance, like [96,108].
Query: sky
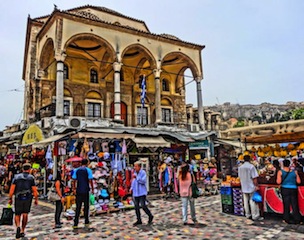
[254,49]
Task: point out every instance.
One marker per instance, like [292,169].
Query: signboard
[32,135]
[204,144]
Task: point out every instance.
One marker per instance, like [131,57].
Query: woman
[185,180]
[288,180]
[59,186]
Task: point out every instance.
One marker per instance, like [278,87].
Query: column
[201,118]
[158,118]
[117,108]
[59,84]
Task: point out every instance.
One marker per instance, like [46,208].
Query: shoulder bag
[194,188]
[52,194]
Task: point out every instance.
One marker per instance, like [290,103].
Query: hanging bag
[7,216]
[52,194]
[194,188]
[256,197]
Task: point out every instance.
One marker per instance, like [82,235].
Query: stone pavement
[213,224]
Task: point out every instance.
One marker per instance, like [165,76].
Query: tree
[297,114]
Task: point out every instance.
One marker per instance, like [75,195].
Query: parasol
[74,159]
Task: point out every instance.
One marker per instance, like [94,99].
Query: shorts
[23,206]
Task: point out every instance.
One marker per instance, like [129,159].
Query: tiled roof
[92,17]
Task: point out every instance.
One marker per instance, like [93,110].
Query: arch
[166,101]
[94,95]
[178,57]
[67,92]
[47,55]
[146,51]
[92,37]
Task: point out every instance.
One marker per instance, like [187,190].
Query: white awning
[51,139]
[103,135]
[151,142]
[236,144]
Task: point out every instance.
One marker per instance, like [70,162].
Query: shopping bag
[7,216]
[256,197]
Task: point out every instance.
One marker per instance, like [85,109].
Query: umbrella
[74,159]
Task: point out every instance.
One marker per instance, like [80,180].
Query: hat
[205,160]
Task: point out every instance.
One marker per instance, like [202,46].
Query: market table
[272,201]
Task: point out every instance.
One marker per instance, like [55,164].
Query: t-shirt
[247,172]
[184,186]
[82,175]
[24,183]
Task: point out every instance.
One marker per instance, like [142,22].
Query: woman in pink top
[185,193]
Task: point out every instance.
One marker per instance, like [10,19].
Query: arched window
[93,76]
[65,71]
[165,85]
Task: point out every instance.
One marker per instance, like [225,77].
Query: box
[227,208]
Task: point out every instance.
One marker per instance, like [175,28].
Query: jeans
[82,198]
[251,207]
[185,201]
[290,197]
[58,212]
[141,201]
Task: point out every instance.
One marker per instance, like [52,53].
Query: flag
[143,91]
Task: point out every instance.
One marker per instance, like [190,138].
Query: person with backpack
[24,188]
[83,179]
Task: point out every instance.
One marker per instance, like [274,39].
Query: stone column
[201,118]
[158,118]
[117,110]
[59,84]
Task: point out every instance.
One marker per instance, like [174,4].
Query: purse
[194,188]
[52,195]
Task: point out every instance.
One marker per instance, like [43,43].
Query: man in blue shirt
[83,178]
[139,191]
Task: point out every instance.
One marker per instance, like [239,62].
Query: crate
[227,208]
[226,190]
[226,199]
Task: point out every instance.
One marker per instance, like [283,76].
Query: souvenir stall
[109,161]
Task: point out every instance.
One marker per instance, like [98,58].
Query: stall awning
[232,143]
[103,135]
[276,138]
[151,142]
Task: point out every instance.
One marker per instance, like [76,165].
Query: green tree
[297,114]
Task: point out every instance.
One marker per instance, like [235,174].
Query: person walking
[249,184]
[289,179]
[139,192]
[83,179]
[59,186]
[185,179]
[23,187]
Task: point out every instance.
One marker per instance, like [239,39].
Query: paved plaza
[213,224]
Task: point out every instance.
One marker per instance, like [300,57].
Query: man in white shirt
[249,183]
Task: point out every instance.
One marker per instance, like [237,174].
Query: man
[139,191]
[2,175]
[23,187]
[83,178]
[249,184]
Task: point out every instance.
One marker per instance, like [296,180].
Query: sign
[32,135]
[199,145]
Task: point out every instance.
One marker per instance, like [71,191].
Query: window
[94,109]
[166,115]
[165,85]
[142,115]
[93,76]
[66,108]
[65,71]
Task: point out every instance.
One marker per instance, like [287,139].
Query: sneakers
[22,235]
[58,226]
[150,219]
[87,225]
[75,227]
[137,223]
[185,223]
[18,232]
[258,219]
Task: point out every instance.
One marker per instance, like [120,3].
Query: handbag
[256,197]
[194,188]
[7,216]
[52,195]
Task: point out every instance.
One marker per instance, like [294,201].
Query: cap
[26,166]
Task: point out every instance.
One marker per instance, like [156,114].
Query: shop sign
[32,135]
[199,145]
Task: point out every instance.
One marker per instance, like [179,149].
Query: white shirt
[247,172]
